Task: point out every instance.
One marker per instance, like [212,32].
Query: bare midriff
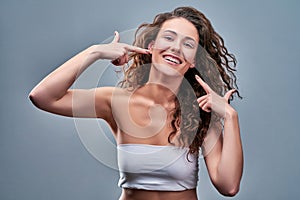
[135,194]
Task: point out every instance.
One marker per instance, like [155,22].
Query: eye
[189,45]
[169,37]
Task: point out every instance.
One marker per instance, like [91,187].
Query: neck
[163,87]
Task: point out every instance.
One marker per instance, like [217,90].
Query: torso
[141,120]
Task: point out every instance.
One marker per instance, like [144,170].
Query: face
[175,47]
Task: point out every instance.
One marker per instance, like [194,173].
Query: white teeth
[172,59]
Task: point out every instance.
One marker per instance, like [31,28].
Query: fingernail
[197,77]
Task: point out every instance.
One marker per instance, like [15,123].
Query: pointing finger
[137,49]
[116,38]
[203,84]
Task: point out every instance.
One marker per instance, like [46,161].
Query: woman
[164,112]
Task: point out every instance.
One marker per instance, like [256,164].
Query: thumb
[116,38]
[229,93]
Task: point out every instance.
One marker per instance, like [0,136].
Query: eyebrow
[173,32]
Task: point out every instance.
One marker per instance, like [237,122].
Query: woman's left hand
[212,101]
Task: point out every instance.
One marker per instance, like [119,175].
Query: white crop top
[153,167]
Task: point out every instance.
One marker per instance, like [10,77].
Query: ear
[150,46]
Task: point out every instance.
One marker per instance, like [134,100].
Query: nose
[176,46]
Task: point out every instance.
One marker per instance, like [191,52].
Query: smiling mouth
[172,59]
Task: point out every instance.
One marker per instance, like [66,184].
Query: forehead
[182,27]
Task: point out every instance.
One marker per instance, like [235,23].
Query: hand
[212,101]
[118,52]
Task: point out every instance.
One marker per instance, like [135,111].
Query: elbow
[34,98]
[230,192]
[37,99]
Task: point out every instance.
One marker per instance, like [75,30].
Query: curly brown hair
[214,64]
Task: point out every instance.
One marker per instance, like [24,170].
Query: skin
[178,38]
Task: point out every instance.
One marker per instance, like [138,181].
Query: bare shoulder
[106,98]
[103,99]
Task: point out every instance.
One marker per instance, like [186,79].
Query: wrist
[230,112]
[94,53]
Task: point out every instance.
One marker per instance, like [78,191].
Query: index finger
[203,84]
[137,49]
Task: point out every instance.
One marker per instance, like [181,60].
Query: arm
[52,94]
[224,160]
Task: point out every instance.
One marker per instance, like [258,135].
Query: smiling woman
[177,42]
[163,114]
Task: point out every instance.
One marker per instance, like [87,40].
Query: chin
[168,70]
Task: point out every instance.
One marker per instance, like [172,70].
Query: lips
[172,59]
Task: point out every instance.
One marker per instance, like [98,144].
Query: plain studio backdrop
[42,156]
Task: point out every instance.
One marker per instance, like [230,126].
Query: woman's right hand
[117,52]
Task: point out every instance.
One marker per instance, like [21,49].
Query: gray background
[41,155]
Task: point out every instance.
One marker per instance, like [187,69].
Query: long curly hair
[213,63]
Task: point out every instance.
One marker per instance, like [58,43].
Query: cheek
[189,55]
[157,47]
[161,44]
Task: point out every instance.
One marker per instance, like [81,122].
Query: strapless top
[153,167]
